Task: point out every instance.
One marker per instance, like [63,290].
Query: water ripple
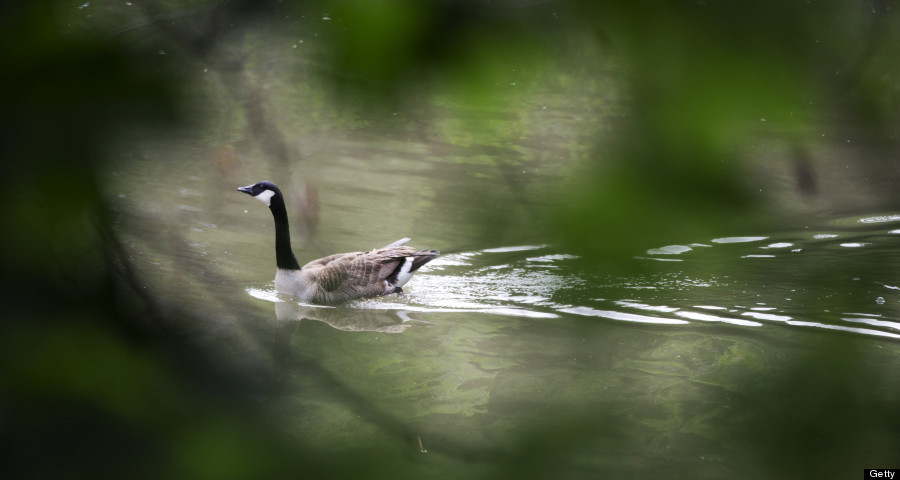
[551,286]
[616,315]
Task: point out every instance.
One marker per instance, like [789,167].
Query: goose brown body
[341,277]
[346,276]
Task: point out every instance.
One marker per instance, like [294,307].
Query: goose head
[262,191]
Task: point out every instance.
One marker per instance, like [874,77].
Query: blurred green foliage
[94,387]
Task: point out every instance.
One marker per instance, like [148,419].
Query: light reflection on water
[537,282]
[483,339]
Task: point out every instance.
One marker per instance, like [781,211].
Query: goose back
[346,276]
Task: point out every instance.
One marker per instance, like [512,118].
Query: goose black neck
[284,256]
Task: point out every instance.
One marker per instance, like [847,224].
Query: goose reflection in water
[289,314]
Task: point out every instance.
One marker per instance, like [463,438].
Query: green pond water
[756,352]
[507,344]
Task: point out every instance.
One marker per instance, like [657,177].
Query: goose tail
[406,269]
[422,257]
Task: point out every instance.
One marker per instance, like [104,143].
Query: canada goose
[340,277]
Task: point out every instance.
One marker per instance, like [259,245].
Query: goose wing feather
[398,243]
[346,276]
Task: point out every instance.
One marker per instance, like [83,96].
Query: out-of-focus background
[669,235]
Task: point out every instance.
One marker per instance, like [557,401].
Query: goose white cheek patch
[265,197]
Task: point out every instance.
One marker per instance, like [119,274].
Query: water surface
[507,339]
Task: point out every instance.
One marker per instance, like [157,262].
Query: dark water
[496,345]
[748,354]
